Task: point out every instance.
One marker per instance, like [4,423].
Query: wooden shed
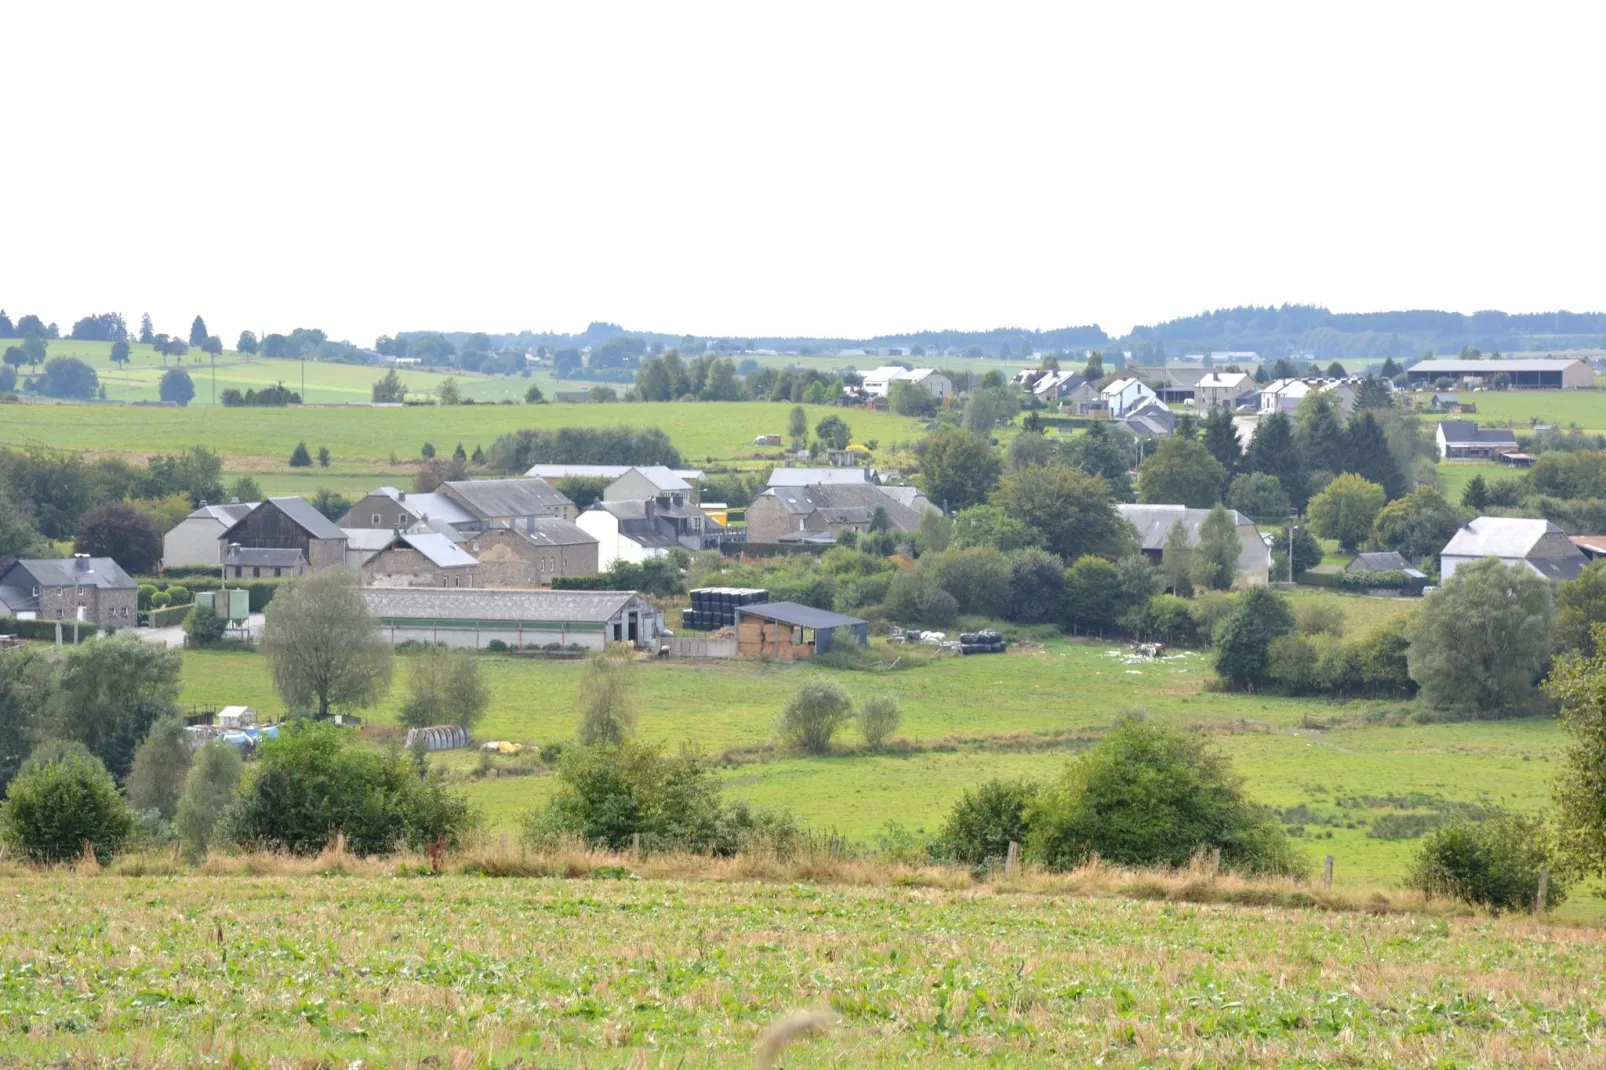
[789,630]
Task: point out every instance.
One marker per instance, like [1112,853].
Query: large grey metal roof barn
[474,616]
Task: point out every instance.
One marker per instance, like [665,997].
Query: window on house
[277,572]
[256,572]
[36,592]
[377,520]
[60,614]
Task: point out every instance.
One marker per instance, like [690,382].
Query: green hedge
[1389,579]
[261,591]
[168,616]
[44,629]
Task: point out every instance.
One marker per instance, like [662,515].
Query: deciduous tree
[1346,509]
[121,532]
[322,646]
[1481,642]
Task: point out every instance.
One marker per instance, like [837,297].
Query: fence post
[1215,860]
[1544,886]
[1012,859]
[635,846]
[1327,874]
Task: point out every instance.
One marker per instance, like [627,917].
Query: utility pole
[214,379]
[1291,552]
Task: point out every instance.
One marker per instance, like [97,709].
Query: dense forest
[1272,331]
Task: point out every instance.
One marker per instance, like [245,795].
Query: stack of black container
[984,642]
[713,608]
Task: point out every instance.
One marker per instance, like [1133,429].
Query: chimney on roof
[203,503]
[234,500]
[80,562]
[401,495]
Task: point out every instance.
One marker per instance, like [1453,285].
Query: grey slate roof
[482,603]
[429,506]
[101,572]
[374,539]
[14,600]
[801,501]
[1466,432]
[796,614]
[661,477]
[1385,561]
[261,557]
[313,522]
[497,499]
[1153,522]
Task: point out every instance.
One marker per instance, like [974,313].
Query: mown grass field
[477,972]
[1562,408]
[1021,714]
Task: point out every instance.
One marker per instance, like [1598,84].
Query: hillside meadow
[387,970]
[1346,776]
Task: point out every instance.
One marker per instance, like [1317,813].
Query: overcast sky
[807,169]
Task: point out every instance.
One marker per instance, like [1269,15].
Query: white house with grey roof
[1153,523]
[194,540]
[474,617]
[1463,440]
[1538,544]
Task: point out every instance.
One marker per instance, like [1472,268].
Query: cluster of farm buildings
[475,561]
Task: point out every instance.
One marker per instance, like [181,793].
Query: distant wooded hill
[1272,331]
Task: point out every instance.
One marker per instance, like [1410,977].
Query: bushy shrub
[812,715]
[611,794]
[1148,795]
[313,783]
[985,820]
[1313,618]
[1164,618]
[1243,638]
[879,717]
[160,600]
[915,598]
[180,595]
[203,627]
[1493,863]
[160,763]
[62,803]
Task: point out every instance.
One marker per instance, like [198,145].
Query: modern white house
[878,383]
[1539,544]
[1123,395]
[1284,395]
[1222,390]
[194,540]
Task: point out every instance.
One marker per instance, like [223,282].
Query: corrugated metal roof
[482,603]
[808,477]
[1499,536]
[796,614]
[313,522]
[500,499]
[555,531]
[602,471]
[1491,367]
[441,551]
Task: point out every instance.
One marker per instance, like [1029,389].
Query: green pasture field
[362,439]
[1020,714]
[480,972]
[1562,408]
[1454,476]
[325,383]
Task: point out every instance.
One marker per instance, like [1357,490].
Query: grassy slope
[1023,714]
[331,970]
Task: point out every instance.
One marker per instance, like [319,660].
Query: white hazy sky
[821,169]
